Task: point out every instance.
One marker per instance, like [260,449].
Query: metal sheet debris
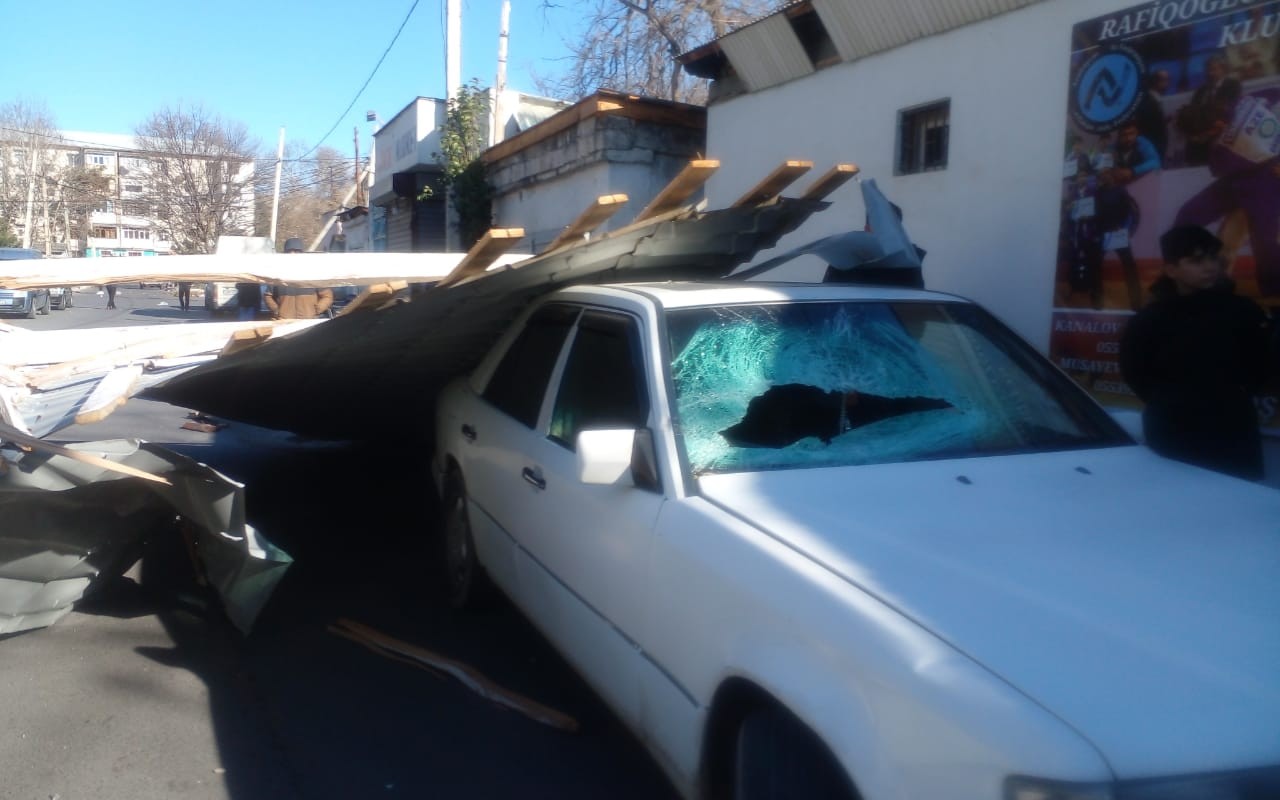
[71,519]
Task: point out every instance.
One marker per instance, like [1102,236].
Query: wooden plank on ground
[680,189]
[591,218]
[783,176]
[494,243]
[469,676]
[831,180]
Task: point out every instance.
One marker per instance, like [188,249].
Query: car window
[809,384]
[603,385]
[520,381]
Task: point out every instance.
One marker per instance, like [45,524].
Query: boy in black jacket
[1195,356]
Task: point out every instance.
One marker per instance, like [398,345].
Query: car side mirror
[604,456]
[618,457]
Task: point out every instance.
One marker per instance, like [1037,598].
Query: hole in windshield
[811,384]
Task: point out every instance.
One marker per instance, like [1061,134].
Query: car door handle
[469,433]
[533,479]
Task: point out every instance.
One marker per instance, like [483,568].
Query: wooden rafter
[591,218]
[680,188]
[783,176]
[483,253]
[831,180]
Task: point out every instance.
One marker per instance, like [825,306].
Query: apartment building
[96,194]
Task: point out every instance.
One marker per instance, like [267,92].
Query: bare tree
[26,130]
[79,190]
[309,188]
[631,45]
[199,174]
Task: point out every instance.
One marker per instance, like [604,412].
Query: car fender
[734,603]
[894,710]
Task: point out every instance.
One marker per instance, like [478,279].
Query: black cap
[1181,241]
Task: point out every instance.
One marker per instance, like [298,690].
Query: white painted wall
[410,139]
[989,221]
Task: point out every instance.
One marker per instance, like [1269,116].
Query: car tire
[48,304]
[776,757]
[465,582]
[31,312]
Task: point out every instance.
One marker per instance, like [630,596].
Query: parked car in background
[27,302]
[61,298]
[220,298]
[852,542]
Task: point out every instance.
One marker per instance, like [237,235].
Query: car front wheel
[777,757]
[465,582]
[48,304]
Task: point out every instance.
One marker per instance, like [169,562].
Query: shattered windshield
[816,384]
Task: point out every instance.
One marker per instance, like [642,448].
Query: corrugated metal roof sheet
[361,376]
[767,53]
[859,28]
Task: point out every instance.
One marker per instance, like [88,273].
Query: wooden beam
[591,218]
[680,188]
[782,177]
[833,179]
[494,243]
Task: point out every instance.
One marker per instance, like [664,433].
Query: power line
[350,105]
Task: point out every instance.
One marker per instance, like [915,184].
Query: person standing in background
[184,295]
[292,302]
[1196,356]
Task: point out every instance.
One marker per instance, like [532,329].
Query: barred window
[923,135]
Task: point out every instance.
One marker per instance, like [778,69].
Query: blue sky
[297,63]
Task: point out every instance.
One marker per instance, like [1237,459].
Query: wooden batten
[831,180]
[783,176]
[9,433]
[482,254]
[680,188]
[244,339]
[591,218]
[110,393]
[374,297]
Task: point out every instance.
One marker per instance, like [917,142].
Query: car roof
[691,294]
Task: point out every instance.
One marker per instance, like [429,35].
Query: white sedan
[839,542]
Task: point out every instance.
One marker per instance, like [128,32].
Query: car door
[497,428]
[587,545]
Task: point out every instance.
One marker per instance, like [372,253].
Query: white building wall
[989,221]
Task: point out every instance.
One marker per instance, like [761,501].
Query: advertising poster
[1173,118]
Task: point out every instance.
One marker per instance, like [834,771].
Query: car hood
[1136,598]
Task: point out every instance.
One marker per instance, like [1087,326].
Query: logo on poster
[1106,89]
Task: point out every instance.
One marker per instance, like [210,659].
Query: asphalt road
[146,691]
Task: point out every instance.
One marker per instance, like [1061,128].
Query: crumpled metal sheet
[364,376]
[67,524]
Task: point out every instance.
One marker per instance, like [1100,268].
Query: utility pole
[275,202]
[500,84]
[31,204]
[453,49]
[355,132]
